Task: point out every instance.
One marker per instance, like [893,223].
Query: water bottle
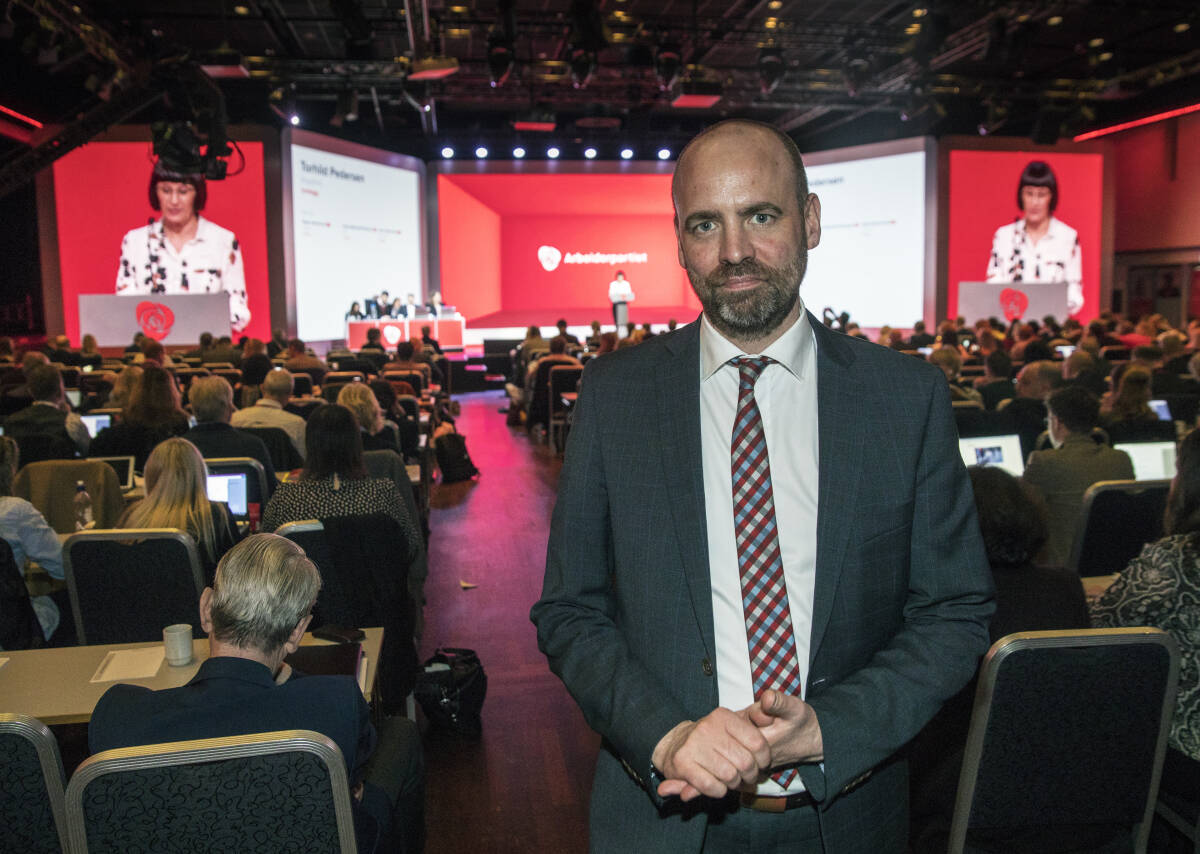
[83,507]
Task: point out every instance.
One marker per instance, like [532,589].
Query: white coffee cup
[177,644]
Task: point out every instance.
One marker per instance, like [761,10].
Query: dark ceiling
[608,72]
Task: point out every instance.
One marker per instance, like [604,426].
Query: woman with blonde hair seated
[377,433]
[177,497]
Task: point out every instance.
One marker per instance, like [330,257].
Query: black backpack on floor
[453,459]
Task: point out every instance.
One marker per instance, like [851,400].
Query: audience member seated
[1028,409]
[1080,369]
[222,351]
[124,382]
[608,343]
[255,613]
[564,334]
[425,356]
[49,416]
[28,535]
[1175,355]
[177,497]
[212,404]
[948,360]
[593,340]
[298,359]
[408,428]
[152,415]
[60,351]
[373,340]
[920,338]
[15,380]
[996,383]
[1160,588]
[277,346]
[523,395]
[89,352]
[268,410]
[405,363]
[255,363]
[377,434]
[1012,520]
[1126,414]
[533,342]
[1062,474]
[335,483]
[153,353]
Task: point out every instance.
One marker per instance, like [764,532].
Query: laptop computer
[123,466]
[1003,451]
[1161,409]
[231,489]
[95,423]
[1151,460]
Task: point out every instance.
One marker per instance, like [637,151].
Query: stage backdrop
[101,192]
[539,244]
[983,197]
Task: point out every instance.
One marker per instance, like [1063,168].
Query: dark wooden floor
[524,786]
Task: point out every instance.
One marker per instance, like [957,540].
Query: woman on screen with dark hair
[1038,247]
[182,252]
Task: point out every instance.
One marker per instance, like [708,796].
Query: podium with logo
[1012,300]
[173,319]
[447,331]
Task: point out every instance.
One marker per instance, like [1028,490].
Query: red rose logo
[1014,303]
[155,319]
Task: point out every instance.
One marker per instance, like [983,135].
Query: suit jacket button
[707,667]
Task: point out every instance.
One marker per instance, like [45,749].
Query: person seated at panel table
[30,538]
[1160,588]
[1029,597]
[355,312]
[378,434]
[434,305]
[255,613]
[152,414]
[177,497]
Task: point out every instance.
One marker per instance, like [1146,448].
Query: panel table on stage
[447,331]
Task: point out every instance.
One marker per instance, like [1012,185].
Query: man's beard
[753,313]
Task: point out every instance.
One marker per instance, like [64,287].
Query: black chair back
[127,585]
[1140,431]
[302,384]
[256,480]
[32,814]
[36,447]
[284,456]
[1067,741]
[1118,517]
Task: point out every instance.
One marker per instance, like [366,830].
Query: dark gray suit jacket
[902,598]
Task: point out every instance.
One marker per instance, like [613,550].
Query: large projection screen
[520,243]
[353,227]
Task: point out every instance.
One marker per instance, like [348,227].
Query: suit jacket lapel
[840,425]
[678,387]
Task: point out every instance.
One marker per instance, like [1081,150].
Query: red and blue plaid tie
[760,562]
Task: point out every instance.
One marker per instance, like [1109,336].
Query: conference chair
[1181,811]
[19,625]
[36,447]
[1067,740]
[1141,431]
[1184,407]
[50,487]
[32,806]
[1115,353]
[257,491]
[562,378]
[302,384]
[127,585]
[1116,519]
[284,456]
[343,377]
[279,791]
[416,379]
[303,408]
[364,582]
[231,375]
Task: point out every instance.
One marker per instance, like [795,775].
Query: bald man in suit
[878,550]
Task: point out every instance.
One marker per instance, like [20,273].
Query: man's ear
[297,635]
[812,220]
[206,610]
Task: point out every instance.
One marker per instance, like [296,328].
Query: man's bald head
[744,126]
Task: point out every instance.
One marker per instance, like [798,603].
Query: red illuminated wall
[1158,209]
[983,197]
[519,214]
[100,193]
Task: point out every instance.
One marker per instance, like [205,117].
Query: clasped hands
[730,750]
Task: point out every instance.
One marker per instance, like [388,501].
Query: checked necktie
[760,562]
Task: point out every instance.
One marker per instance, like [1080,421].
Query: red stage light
[21,117]
[1148,120]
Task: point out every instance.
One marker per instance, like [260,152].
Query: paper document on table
[362,673]
[129,664]
[3,661]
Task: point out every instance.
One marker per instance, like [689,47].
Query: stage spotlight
[552,152]
[589,153]
[626,153]
[294,119]
[447,152]
[481,153]
[518,152]
[664,154]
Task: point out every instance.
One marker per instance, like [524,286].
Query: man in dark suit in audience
[49,415]
[212,404]
[996,383]
[754,658]
[1063,474]
[920,338]
[1034,384]
[255,614]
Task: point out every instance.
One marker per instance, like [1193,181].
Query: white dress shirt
[619,290]
[786,393]
[208,263]
[268,412]
[1055,258]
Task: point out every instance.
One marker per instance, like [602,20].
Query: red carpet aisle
[524,786]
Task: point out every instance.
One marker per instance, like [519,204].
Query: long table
[447,331]
[52,684]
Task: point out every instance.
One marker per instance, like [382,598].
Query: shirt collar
[202,228]
[793,349]
[269,402]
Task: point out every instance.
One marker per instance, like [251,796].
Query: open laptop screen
[1161,409]
[123,466]
[230,489]
[1151,460]
[95,423]
[1003,451]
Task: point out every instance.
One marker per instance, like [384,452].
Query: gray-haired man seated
[255,614]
